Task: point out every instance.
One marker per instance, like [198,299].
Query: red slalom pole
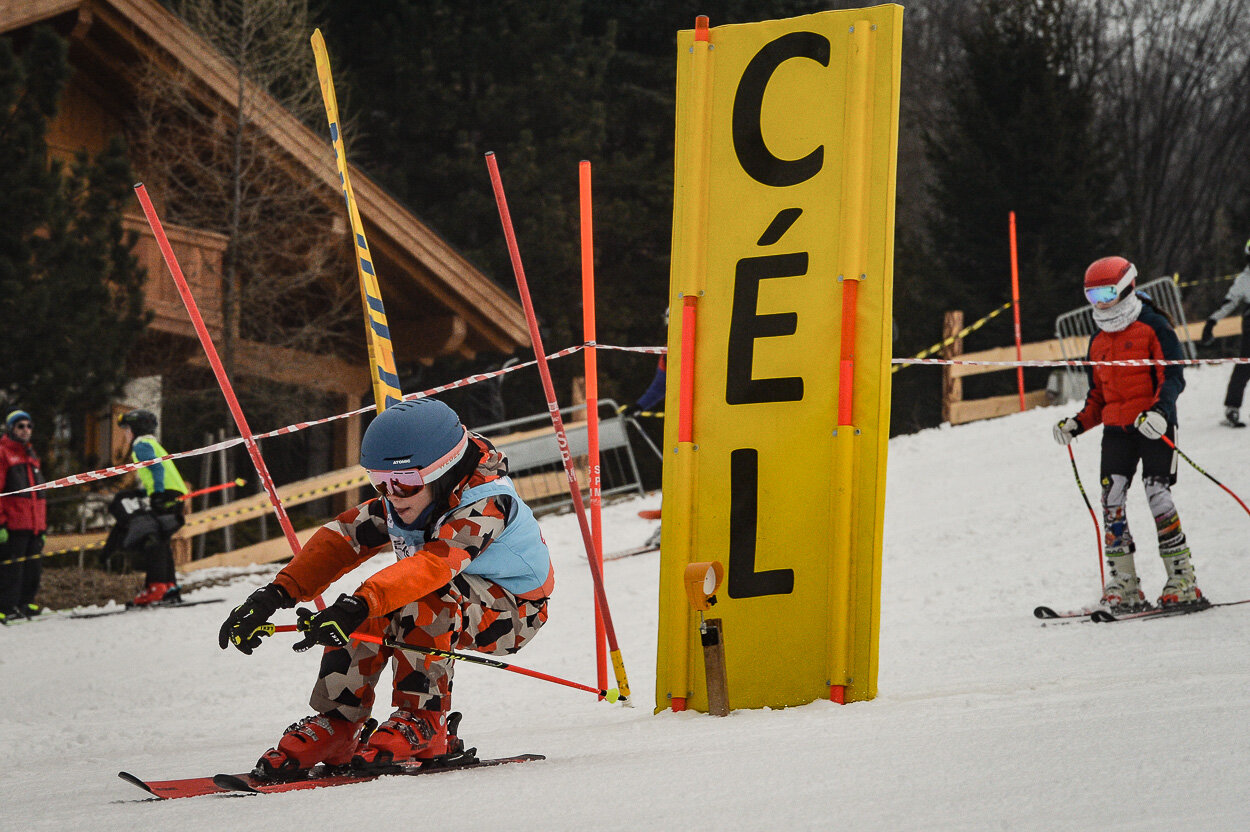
[1198,468]
[219,371]
[557,422]
[1102,570]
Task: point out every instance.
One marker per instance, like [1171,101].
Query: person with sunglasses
[472,572]
[1136,405]
[23,520]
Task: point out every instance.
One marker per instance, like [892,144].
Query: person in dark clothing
[654,394]
[1136,406]
[23,520]
[152,529]
[1238,296]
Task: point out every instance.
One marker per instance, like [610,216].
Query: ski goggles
[1110,293]
[408,482]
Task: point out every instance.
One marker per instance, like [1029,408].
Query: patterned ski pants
[1122,450]
[470,613]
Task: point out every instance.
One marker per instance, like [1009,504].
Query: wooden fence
[957,410]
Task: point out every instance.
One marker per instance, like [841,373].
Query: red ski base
[317,778]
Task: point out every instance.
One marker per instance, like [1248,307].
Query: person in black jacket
[1238,296]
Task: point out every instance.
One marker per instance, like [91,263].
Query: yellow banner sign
[778,376]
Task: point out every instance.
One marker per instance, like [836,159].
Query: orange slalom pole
[575,491]
[591,358]
[219,371]
[1015,302]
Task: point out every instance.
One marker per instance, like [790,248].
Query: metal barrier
[1073,329]
[536,466]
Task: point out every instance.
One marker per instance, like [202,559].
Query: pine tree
[433,86]
[70,289]
[1021,136]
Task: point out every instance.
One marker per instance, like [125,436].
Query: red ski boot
[411,736]
[157,594]
[314,739]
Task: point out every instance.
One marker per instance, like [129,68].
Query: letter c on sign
[754,156]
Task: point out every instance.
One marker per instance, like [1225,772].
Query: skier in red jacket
[1137,407]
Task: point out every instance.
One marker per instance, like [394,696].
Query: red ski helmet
[1110,280]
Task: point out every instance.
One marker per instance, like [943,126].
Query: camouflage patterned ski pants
[470,613]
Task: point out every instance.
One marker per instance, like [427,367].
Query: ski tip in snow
[130,778]
[1045,612]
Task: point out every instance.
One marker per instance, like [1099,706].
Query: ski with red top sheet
[316,778]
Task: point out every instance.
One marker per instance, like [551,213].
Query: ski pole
[612,695]
[1102,571]
[221,486]
[1198,468]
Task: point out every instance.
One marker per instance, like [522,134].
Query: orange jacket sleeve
[334,550]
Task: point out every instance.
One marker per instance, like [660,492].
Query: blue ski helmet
[413,434]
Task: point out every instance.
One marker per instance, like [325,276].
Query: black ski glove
[248,623]
[334,625]
[163,502]
[1208,333]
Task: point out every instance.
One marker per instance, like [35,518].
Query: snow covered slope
[986,719]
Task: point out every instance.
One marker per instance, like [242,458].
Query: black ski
[1049,613]
[317,779]
[1107,617]
[157,606]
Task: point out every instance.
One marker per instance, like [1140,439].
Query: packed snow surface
[986,719]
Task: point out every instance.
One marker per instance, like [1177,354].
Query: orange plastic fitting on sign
[702,580]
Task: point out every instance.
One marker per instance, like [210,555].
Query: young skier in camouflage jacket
[472,572]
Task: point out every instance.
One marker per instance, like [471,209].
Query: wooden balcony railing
[199,254]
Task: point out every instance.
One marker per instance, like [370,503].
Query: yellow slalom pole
[845,451]
[386,389]
[688,278]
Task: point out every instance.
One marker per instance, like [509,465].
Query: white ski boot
[1181,588]
[1123,590]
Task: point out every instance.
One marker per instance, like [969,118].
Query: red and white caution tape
[118,470]
[1128,362]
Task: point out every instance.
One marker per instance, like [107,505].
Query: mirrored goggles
[408,482]
[1102,294]
[1109,294]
